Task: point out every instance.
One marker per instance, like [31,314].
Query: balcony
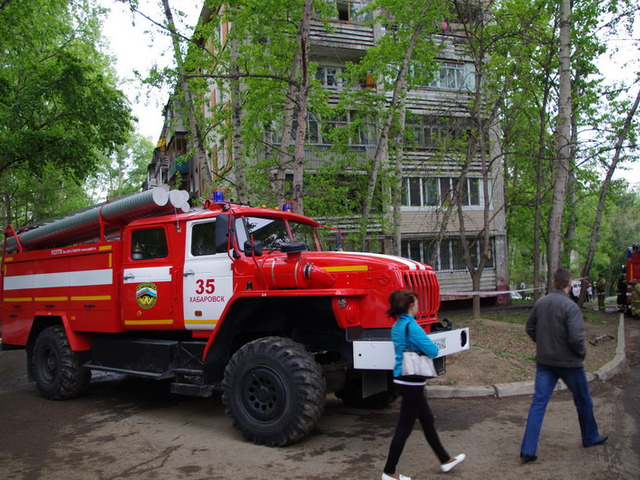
[179,165]
[341,35]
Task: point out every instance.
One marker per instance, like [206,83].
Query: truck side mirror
[253,249]
[222,233]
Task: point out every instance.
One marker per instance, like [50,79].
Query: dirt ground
[129,429]
[501,351]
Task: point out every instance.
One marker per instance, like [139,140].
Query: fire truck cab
[224,297]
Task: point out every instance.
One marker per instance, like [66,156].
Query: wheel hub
[264,395]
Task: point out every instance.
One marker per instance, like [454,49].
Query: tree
[533,100]
[199,149]
[60,110]
[58,100]
[484,34]
[406,46]
[124,171]
[254,55]
[563,135]
[28,197]
[621,135]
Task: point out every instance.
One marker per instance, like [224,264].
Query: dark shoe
[528,458]
[600,441]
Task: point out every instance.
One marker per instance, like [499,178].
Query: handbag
[415,363]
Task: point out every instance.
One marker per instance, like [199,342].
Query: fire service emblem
[146,295]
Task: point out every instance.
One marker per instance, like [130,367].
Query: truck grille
[425,285]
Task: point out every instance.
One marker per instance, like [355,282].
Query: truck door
[208,276]
[149,281]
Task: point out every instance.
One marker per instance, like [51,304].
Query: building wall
[347,42]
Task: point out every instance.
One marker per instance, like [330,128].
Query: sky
[137,45]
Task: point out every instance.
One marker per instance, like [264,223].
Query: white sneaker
[389,477]
[446,467]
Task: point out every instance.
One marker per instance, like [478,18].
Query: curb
[616,365]
[500,390]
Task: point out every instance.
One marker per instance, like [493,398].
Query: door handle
[188,273]
[129,276]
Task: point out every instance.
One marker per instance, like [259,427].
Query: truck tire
[56,368]
[274,391]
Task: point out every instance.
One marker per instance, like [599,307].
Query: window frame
[447,71]
[346,11]
[142,253]
[451,258]
[429,193]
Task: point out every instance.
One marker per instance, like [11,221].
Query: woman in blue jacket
[406,333]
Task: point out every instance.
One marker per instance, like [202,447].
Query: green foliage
[28,197]
[528,127]
[124,171]
[58,101]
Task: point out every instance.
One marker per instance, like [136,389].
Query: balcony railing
[344,35]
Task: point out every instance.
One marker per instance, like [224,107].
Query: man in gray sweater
[557,327]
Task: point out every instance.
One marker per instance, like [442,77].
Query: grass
[520,318]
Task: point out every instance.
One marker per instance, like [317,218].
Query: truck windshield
[273,232]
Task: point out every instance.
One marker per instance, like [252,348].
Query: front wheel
[274,391]
[57,369]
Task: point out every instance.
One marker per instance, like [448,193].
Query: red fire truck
[221,298]
[632,270]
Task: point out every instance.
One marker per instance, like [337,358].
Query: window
[425,132]
[450,77]
[273,232]
[471,192]
[148,244]
[203,239]
[361,130]
[450,257]
[331,128]
[434,191]
[351,10]
[421,192]
[364,132]
[330,77]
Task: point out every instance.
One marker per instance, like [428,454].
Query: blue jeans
[546,379]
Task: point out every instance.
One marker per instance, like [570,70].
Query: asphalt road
[131,429]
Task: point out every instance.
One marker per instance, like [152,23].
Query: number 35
[205,286]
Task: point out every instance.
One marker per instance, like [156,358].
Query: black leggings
[414,406]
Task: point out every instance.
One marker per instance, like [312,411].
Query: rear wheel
[274,391]
[57,369]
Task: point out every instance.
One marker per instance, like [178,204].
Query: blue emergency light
[218,196]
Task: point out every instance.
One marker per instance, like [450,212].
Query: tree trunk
[199,151]
[284,157]
[540,169]
[571,197]
[303,106]
[397,187]
[563,144]
[235,90]
[397,100]
[603,195]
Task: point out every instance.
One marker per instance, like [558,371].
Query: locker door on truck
[208,278]
[149,284]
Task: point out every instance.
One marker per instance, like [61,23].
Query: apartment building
[437,116]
